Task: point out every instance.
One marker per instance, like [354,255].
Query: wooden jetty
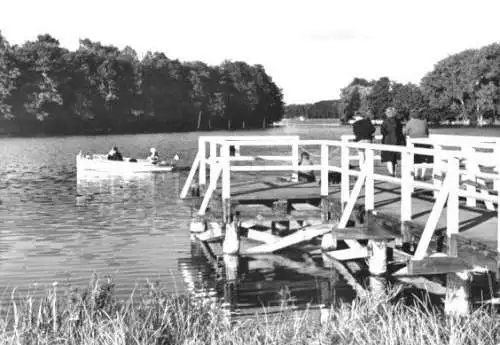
[445,224]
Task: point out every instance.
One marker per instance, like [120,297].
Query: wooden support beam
[345,183]
[297,237]
[362,233]
[190,178]
[430,226]
[214,233]
[348,254]
[437,265]
[369,181]
[262,236]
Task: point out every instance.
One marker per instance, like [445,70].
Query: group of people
[393,134]
[154,158]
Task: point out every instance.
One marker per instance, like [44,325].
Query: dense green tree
[353,105]
[380,98]
[355,96]
[466,83]
[407,97]
[8,76]
[98,88]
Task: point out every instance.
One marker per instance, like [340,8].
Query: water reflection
[245,285]
[60,226]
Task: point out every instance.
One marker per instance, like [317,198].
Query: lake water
[56,226]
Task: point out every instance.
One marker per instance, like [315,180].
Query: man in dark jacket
[363,128]
[363,132]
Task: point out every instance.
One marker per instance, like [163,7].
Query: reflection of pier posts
[231,267]
[327,291]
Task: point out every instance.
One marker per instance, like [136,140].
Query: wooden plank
[437,265]
[262,236]
[213,234]
[419,282]
[253,208]
[297,237]
[348,254]
[305,207]
[362,233]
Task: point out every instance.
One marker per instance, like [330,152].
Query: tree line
[464,86]
[322,109]
[45,88]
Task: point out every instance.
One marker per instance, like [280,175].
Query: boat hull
[101,164]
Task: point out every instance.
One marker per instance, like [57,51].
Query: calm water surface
[56,226]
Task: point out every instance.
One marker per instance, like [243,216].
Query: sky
[311,48]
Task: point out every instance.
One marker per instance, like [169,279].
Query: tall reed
[149,316]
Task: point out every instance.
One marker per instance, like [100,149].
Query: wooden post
[213,158]
[344,165]
[437,170]
[452,209]
[325,302]
[231,244]
[377,257]
[328,242]
[410,146]
[295,161]
[406,184]
[472,169]
[369,182]
[324,183]
[497,155]
[457,294]
[202,176]
[226,181]
[377,286]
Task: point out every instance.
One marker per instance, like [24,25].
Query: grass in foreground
[151,317]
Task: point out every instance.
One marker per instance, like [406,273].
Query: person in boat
[175,158]
[306,175]
[153,157]
[114,154]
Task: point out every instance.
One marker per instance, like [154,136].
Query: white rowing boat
[101,163]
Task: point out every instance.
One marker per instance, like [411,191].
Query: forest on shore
[462,87]
[47,89]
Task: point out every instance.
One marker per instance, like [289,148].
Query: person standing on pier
[392,134]
[417,127]
[363,130]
